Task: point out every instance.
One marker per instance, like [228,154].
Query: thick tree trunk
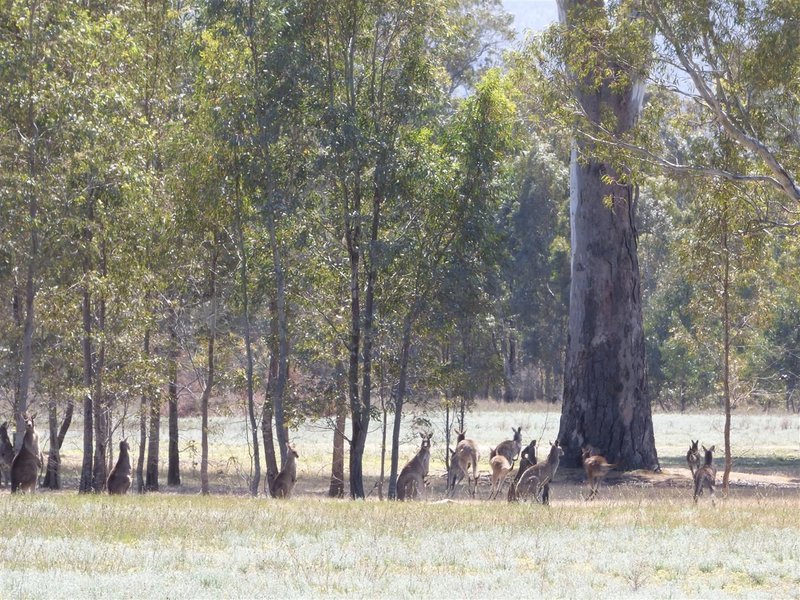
[154,438]
[52,478]
[606,401]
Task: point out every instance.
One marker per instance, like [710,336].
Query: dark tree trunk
[100,474]
[153,443]
[88,407]
[52,478]
[606,401]
[270,460]
[173,458]
[726,329]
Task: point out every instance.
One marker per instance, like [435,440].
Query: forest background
[293,210]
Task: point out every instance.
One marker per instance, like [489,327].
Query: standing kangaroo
[536,479]
[693,457]
[412,478]
[119,480]
[596,468]
[6,453]
[28,461]
[464,457]
[509,448]
[706,476]
[282,485]
[527,458]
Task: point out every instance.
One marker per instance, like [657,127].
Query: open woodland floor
[643,537]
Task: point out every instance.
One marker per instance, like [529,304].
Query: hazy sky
[532,14]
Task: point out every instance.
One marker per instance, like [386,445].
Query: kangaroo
[6,454]
[281,486]
[119,480]
[28,461]
[509,448]
[464,457]
[412,478]
[596,467]
[527,459]
[500,470]
[706,476]
[536,479]
[693,457]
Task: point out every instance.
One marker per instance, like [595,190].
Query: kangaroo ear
[712,448]
[705,449]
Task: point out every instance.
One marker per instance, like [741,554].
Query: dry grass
[644,537]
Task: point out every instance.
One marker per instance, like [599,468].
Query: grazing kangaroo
[693,457]
[536,479]
[596,468]
[282,485]
[119,480]
[500,470]
[28,461]
[706,476]
[509,448]
[6,454]
[412,478]
[464,457]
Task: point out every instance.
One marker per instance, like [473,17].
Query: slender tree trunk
[209,384]
[270,460]
[143,410]
[248,347]
[88,360]
[99,474]
[726,325]
[32,135]
[336,489]
[173,452]
[280,324]
[52,478]
[398,406]
[606,402]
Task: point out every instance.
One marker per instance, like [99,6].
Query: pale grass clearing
[189,546]
[763,444]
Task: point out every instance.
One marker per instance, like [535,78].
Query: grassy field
[643,538]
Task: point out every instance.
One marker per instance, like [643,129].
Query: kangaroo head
[555,449]
[585,453]
[426,440]
[123,446]
[693,447]
[517,434]
[29,424]
[291,450]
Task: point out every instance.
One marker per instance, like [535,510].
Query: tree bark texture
[173,458]
[143,410]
